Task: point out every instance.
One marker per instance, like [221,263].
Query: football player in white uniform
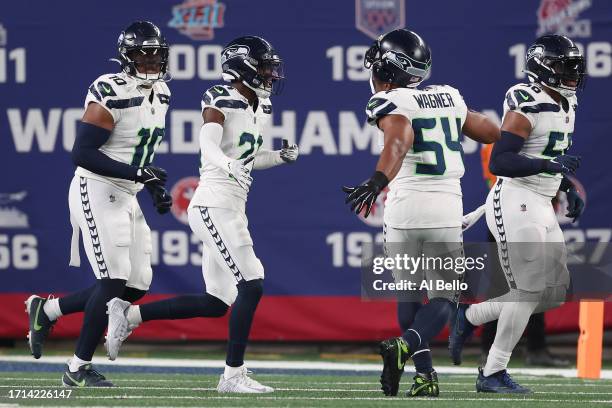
[234,118]
[122,126]
[422,162]
[531,161]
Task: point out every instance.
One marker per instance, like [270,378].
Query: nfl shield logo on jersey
[376,17]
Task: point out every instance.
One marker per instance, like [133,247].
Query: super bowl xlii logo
[376,17]
[198,19]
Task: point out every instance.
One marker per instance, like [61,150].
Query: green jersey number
[249,139]
[421,125]
[145,149]
[553,138]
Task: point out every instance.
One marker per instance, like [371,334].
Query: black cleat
[499,383]
[85,376]
[394,353]
[425,385]
[40,325]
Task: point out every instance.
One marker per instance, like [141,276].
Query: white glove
[240,172]
[289,154]
[470,219]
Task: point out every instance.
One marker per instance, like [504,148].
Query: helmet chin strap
[566,93]
[260,92]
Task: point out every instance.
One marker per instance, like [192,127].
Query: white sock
[52,309]
[484,312]
[232,371]
[75,363]
[497,360]
[133,315]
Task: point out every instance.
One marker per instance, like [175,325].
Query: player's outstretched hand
[575,205]
[240,172]
[289,154]
[161,199]
[365,194]
[151,175]
[566,164]
[471,218]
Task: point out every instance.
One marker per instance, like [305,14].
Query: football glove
[565,164]
[151,175]
[240,172]
[365,194]
[161,199]
[575,204]
[289,154]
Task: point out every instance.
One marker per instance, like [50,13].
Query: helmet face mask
[143,52]
[556,62]
[399,57]
[254,62]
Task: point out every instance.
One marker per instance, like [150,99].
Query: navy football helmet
[143,52]
[556,62]
[254,62]
[400,57]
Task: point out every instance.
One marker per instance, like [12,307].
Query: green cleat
[39,323]
[394,353]
[425,385]
[85,376]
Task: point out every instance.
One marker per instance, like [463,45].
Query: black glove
[565,164]
[575,204]
[161,199]
[151,175]
[365,194]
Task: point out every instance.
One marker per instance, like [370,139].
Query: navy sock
[96,319]
[406,311]
[429,321]
[132,294]
[422,359]
[76,301]
[241,318]
[184,307]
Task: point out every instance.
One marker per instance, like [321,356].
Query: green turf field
[301,391]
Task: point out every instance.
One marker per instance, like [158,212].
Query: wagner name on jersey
[552,126]
[139,122]
[437,115]
[242,138]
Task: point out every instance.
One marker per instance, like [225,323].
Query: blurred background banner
[308,241]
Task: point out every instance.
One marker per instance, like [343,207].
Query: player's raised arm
[93,132]
[480,128]
[264,159]
[506,160]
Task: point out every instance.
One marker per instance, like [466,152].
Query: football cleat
[118,326]
[85,376]
[394,353]
[425,385]
[461,330]
[499,383]
[242,384]
[40,325]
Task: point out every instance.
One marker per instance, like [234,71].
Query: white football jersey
[434,163]
[551,132]
[437,114]
[242,138]
[139,122]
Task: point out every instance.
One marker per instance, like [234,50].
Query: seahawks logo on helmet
[234,51]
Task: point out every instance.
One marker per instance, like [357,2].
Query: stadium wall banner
[308,241]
